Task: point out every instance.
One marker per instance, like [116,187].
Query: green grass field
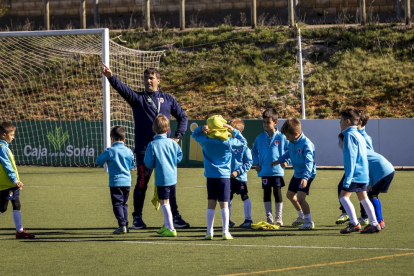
[70,212]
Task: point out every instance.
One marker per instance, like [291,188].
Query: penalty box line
[321,265]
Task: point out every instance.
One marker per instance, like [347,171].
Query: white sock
[225,220]
[168,220]
[268,208]
[300,214]
[230,209]
[17,218]
[350,209]
[308,217]
[278,210]
[247,204]
[369,209]
[210,221]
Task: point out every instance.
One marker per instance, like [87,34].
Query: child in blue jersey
[120,161]
[301,152]
[10,184]
[381,173]
[355,159]
[217,142]
[269,146]
[241,162]
[363,220]
[163,155]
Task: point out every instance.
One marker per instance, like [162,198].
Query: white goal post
[52,89]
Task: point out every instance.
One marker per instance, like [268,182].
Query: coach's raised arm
[146,105]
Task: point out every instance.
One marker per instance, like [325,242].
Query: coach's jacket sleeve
[125,91]
[182,120]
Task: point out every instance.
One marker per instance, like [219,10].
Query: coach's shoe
[342,219]
[351,228]
[279,222]
[382,224]
[24,235]
[369,229]
[231,224]
[270,219]
[209,237]
[246,224]
[307,226]
[162,230]
[298,222]
[127,228]
[169,233]
[363,221]
[120,230]
[138,223]
[179,222]
[227,236]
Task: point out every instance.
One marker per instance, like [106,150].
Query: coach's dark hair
[291,126]
[270,113]
[118,133]
[352,114]
[6,127]
[152,71]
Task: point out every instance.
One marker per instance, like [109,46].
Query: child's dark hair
[118,133]
[238,124]
[152,71]
[291,126]
[363,117]
[270,113]
[161,124]
[341,136]
[352,114]
[6,127]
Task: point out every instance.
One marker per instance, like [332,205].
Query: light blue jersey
[268,149]
[367,138]
[241,161]
[355,157]
[302,156]
[217,153]
[163,154]
[379,167]
[120,160]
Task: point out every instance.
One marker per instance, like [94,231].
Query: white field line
[225,245]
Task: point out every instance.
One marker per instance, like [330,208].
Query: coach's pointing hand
[106,71]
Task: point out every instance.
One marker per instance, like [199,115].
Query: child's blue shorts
[218,189]
[382,185]
[166,192]
[295,183]
[355,187]
[238,187]
[272,181]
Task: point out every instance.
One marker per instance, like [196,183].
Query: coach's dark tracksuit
[144,114]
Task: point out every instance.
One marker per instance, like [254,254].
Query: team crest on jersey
[277,143]
[239,150]
[161,100]
[264,181]
[299,150]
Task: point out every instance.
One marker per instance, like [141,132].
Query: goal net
[52,89]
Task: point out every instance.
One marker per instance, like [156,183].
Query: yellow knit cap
[217,130]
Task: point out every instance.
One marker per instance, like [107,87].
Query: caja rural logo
[57,140]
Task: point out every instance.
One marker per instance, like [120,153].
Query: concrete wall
[27,8]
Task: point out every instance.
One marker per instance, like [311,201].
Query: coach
[146,105]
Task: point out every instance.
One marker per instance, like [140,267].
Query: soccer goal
[52,89]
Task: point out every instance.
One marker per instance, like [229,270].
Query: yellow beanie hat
[217,130]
